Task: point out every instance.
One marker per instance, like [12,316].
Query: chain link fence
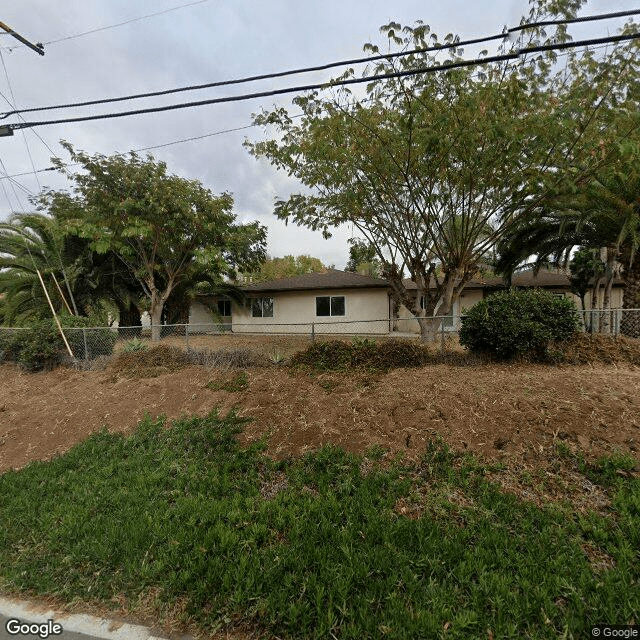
[89,343]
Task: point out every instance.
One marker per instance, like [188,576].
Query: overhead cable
[113,26]
[323,67]
[333,83]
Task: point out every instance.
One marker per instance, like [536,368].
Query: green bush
[519,323]
[39,347]
[10,344]
[337,355]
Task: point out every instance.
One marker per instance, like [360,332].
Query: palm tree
[604,215]
[35,252]
[30,249]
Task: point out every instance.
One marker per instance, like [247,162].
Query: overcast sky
[205,42]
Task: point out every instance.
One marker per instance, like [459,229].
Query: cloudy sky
[200,42]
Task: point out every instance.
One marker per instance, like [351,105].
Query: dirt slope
[516,411]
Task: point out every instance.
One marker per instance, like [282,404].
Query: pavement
[58,625]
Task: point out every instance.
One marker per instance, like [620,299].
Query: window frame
[260,302]
[331,313]
[224,304]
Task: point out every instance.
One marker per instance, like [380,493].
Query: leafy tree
[278,268]
[587,270]
[164,228]
[432,168]
[363,258]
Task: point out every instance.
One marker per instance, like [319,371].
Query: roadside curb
[75,623]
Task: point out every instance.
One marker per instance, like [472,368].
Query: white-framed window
[224,308]
[330,306]
[262,307]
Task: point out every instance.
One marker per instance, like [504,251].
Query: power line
[113,26]
[333,83]
[324,67]
[24,137]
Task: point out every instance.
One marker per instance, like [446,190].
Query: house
[348,303]
[480,287]
[344,302]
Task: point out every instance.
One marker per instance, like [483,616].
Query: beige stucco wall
[408,324]
[366,311]
[200,314]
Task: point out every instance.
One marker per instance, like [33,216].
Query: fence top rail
[296,324]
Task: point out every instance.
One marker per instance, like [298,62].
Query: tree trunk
[429,329]
[155,311]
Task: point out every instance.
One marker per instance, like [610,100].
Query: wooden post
[46,293]
[66,304]
[313,332]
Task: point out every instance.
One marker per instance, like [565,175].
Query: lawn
[186,524]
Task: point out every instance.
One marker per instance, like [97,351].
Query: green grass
[180,512]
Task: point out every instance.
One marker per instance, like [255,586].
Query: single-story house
[343,301]
[347,302]
[480,287]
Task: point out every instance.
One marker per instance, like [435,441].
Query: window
[224,308]
[330,306]
[262,307]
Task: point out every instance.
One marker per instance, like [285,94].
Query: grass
[329,543]
[231,383]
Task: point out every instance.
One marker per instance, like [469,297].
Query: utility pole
[7,129]
[38,48]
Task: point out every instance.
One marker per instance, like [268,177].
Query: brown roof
[544,278]
[330,279]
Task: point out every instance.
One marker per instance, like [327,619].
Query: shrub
[39,347]
[513,323]
[10,344]
[337,355]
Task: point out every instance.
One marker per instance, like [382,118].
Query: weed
[276,357]
[363,342]
[134,345]
[230,383]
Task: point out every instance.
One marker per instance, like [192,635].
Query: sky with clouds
[208,41]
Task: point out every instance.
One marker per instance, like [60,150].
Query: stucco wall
[366,311]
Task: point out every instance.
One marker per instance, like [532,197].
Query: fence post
[86,349]
[186,336]
[442,338]
[313,332]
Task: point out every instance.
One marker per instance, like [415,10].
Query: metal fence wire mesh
[88,343]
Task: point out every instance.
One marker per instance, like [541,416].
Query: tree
[278,268]
[28,244]
[600,213]
[79,281]
[363,258]
[164,228]
[433,168]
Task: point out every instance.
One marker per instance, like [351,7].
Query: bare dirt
[518,412]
